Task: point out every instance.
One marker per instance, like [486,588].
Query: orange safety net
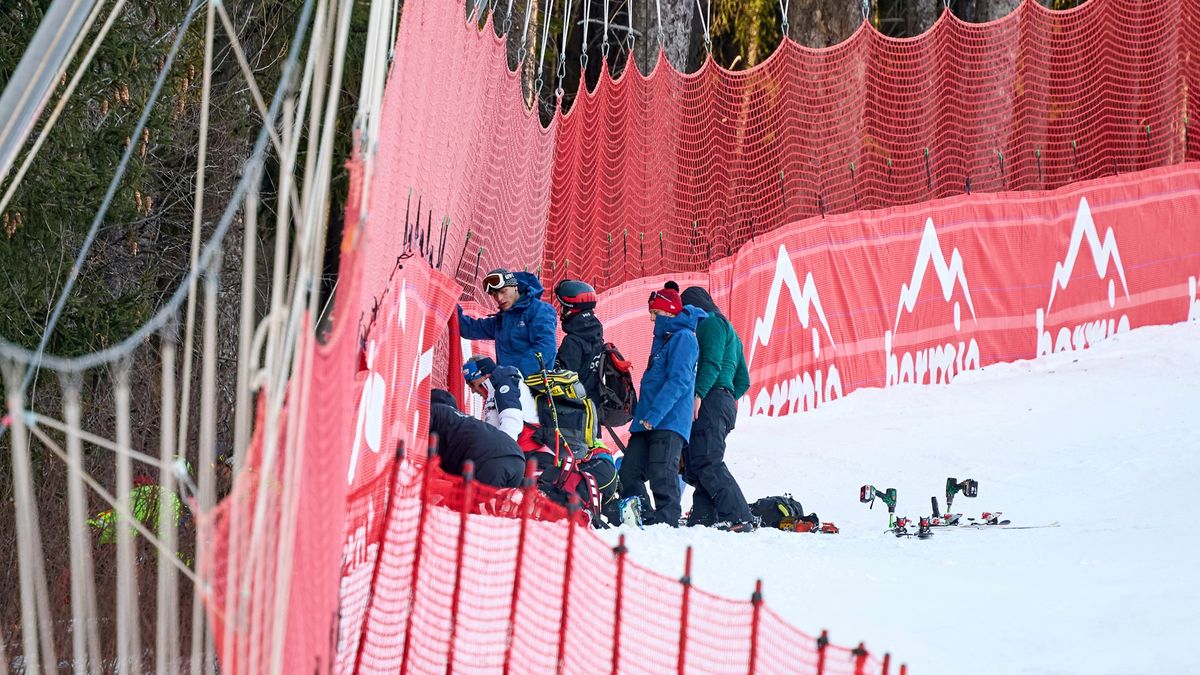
[720,179]
[668,173]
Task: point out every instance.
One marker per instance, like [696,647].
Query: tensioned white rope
[66,95]
[522,51]
[562,51]
[545,39]
[583,53]
[604,40]
[662,37]
[705,21]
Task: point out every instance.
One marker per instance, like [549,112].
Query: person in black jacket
[498,459]
[583,347]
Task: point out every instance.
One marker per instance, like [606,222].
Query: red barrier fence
[828,299]
[474,579]
[689,167]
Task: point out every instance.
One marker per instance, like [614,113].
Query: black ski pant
[717,497]
[502,472]
[654,456]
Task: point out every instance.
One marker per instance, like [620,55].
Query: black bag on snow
[773,510]
[617,393]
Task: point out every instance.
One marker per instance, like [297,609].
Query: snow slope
[1106,441]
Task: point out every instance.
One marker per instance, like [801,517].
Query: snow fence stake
[822,643]
[887,662]
[686,581]
[860,658]
[619,551]
[468,498]
[527,492]
[903,669]
[756,602]
[426,479]
[572,509]
[387,517]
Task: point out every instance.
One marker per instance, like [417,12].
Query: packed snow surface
[1104,441]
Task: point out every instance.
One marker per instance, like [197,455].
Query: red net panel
[690,167]
[800,194]
[462,168]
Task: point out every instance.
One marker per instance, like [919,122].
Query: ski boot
[630,511]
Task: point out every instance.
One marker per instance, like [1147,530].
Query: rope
[129,638]
[784,5]
[165,314]
[85,638]
[525,33]
[562,51]
[662,37]
[167,625]
[583,53]
[705,21]
[604,41]
[66,95]
[545,38]
[60,305]
[32,82]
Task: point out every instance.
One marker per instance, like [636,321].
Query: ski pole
[553,409]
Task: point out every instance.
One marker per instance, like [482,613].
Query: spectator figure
[498,459]
[721,379]
[507,402]
[523,328]
[662,420]
[583,346]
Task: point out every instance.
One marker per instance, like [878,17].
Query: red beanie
[667,299]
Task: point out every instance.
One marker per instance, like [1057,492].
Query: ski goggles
[497,280]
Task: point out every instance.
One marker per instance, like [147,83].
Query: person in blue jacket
[525,326]
[662,420]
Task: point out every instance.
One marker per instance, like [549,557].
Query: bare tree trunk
[919,15]
[678,18]
[990,10]
[821,23]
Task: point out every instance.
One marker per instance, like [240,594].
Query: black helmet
[575,296]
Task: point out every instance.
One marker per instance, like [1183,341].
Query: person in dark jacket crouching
[662,420]
[498,459]
[721,379]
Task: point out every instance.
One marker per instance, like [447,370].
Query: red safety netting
[777,168]
[667,173]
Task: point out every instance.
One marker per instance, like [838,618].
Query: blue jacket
[668,385]
[520,331]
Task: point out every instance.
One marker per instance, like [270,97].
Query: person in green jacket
[721,379]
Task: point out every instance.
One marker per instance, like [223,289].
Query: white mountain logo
[804,390]
[1104,252]
[941,362]
[368,428]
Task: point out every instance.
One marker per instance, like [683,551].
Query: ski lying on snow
[981,526]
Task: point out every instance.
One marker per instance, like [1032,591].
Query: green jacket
[722,363]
